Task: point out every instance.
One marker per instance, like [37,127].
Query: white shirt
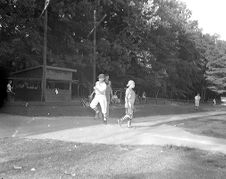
[197,98]
[9,88]
[100,88]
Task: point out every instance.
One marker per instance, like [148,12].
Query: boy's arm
[127,96]
[111,92]
[100,89]
[91,95]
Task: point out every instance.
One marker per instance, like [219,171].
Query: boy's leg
[129,123]
[130,113]
[128,117]
[108,107]
[93,105]
[103,105]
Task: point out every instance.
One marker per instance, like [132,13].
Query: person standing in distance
[144,98]
[10,90]
[3,85]
[130,97]
[100,97]
[109,93]
[214,102]
[197,99]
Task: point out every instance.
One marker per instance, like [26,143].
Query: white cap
[130,82]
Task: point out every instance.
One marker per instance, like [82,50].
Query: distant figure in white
[10,90]
[115,98]
[197,100]
[144,99]
[214,102]
[9,87]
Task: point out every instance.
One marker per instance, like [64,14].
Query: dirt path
[145,131]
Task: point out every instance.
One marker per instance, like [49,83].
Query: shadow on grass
[115,111]
[214,126]
[54,118]
[193,121]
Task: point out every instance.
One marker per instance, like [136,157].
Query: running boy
[129,103]
[100,97]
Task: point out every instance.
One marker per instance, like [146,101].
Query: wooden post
[70,90]
[94,48]
[78,90]
[43,95]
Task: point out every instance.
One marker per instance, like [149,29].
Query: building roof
[47,67]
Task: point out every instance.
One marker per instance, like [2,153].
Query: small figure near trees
[144,97]
[197,100]
[10,91]
[115,99]
[214,102]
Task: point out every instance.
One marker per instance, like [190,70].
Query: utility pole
[43,94]
[94,31]
[94,47]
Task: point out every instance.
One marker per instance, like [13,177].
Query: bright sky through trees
[210,14]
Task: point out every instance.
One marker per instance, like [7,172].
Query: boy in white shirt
[100,97]
[129,103]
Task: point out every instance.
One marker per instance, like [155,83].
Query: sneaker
[105,121]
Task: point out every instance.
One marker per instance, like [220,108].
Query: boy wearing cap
[129,103]
[100,97]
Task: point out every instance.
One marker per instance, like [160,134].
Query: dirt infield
[164,144]
[145,131]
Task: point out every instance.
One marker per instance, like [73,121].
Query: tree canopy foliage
[154,42]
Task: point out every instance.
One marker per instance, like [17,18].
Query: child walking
[100,97]
[130,97]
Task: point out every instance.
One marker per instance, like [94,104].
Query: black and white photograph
[112,89]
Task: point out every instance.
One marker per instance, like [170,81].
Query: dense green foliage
[153,42]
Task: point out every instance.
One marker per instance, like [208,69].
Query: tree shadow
[175,122]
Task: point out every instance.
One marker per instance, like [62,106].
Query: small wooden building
[28,84]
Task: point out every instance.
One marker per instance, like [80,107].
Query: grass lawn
[213,126]
[116,111]
[25,158]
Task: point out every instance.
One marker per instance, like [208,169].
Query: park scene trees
[49,48]
[154,42]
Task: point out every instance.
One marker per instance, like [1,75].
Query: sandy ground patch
[148,132]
